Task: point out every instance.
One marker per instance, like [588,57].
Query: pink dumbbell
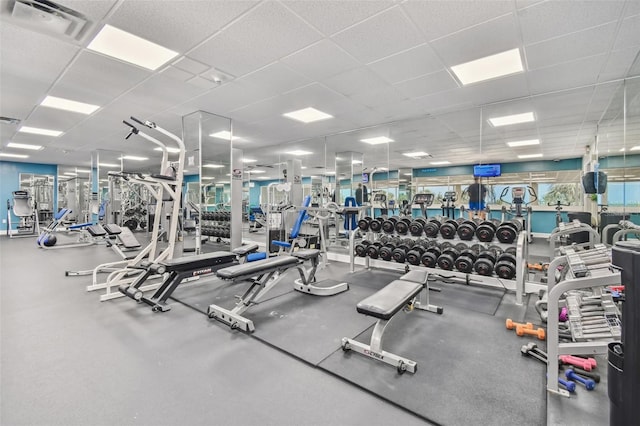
[586,364]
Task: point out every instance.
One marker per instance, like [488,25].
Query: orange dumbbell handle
[521,331]
[512,324]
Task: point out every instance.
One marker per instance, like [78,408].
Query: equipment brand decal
[202,271]
[373,354]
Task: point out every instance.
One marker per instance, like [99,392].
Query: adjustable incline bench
[263,276]
[178,270]
[384,304]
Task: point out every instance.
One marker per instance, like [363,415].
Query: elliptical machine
[515,210]
[448,204]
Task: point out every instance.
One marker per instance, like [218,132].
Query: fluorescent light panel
[213,166]
[530,156]
[524,143]
[356,162]
[416,154]
[24,146]
[108,165]
[440,163]
[127,47]
[224,134]
[308,115]
[69,105]
[171,150]
[39,131]
[83,171]
[489,67]
[377,140]
[508,120]
[256,171]
[133,158]
[299,152]
[635,148]
[9,155]
[248,160]
[70,174]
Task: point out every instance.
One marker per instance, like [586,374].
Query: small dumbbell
[511,324]
[521,331]
[588,383]
[588,374]
[567,384]
[586,364]
[528,350]
[564,315]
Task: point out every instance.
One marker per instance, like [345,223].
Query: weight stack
[583,217]
[624,364]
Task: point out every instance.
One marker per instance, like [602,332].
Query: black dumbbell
[389,225]
[373,250]
[506,266]
[466,230]
[485,263]
[363,224]
[386,251]
[416,228]
[464,262]
[448,258]
[432,227]
[402,225]
[361,248]
[399,254]
[497,250]
[448,229]
[414,255]
[430,257]
[486,231]
[460,247]
[508,231]
[376,224]
[511,250]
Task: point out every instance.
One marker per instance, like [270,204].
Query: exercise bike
[558,206]
[515,210]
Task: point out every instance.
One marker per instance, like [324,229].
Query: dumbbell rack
[588,269]
[216,224]
[564,230]
[519,284]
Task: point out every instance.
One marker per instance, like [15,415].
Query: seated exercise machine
[27,214]
[399,295]
[86,233]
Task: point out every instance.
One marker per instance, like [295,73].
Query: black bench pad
[386,302]
[112,228]
[416,276]
[96,231]
[306,254]
[187,263]
[242,250]
[259,267]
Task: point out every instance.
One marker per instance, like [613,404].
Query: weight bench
[263,276]
[384,305]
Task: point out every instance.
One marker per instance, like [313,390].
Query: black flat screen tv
[486,170]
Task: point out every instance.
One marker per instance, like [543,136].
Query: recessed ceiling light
[308,115]
[108,165]
[213,166]
[70,174]
[524,143]
[6,154]
[303,167]
[224,134]
[635,148]
[133,158]
[298,152]
[356,162]
[530,156]
[416,154]
[407,174]
[228,174]
[537,174]
[223,182]
[257,171]
[440,163]
[38,131]
[83,171]
[262,177]
[377,140]
[69,105]
[383,168]
[207,177]
[24,146]
[248,160]
[489,67]
[329,173]
[171,150]
[508,120]
[127,47]
[623,149]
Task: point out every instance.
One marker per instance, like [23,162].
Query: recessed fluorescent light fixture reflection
[224,134]
[524,143]
[508,120]
[248,160]
[303,167]
[38,131]
[489,67]
[407,174]
[299,152]
[308,115]
[171,150]
[440,163]
[24,146]
[108,165]
[127,47]
[356,162]
[69,105]
[377,140]
[133,158]
[9,155]
[623,149]
[635,148]
[83,171]
[416,154]
[530,156]
[256,171]
[70,174]
[262,177]
[213,166]
[329,173]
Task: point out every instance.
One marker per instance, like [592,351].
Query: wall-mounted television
[486,170]
[365,178]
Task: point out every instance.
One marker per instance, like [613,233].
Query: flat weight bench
[263,276]
[383,305]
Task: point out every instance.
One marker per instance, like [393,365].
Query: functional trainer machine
[21,204]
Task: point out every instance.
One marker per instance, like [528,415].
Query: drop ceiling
[364,62]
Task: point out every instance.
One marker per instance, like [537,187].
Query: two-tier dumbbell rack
[216,224]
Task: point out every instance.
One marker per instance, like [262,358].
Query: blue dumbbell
[568,385]
[588,383]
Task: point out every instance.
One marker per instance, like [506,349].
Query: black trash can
[609,219]
[583,217]
[615,356]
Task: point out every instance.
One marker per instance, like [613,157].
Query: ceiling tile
[176,73]
[177,25]
[409,64]
[444,101]
[331,16]
[382,35]
[426,85]
[354,81]
[619,64]
[321,60]
[488,38]
[190,65]
[161,92]
[571,74]
[629,34]
[386,95]
[550,19]
[202,83]
[273,79]
[438,18]
[590,42]
[251,42]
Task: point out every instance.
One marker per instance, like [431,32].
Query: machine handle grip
[137,121]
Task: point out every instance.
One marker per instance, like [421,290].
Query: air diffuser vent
[9,120]
[48,17]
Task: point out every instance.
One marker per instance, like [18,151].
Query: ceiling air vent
[48,17]
[9,120]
